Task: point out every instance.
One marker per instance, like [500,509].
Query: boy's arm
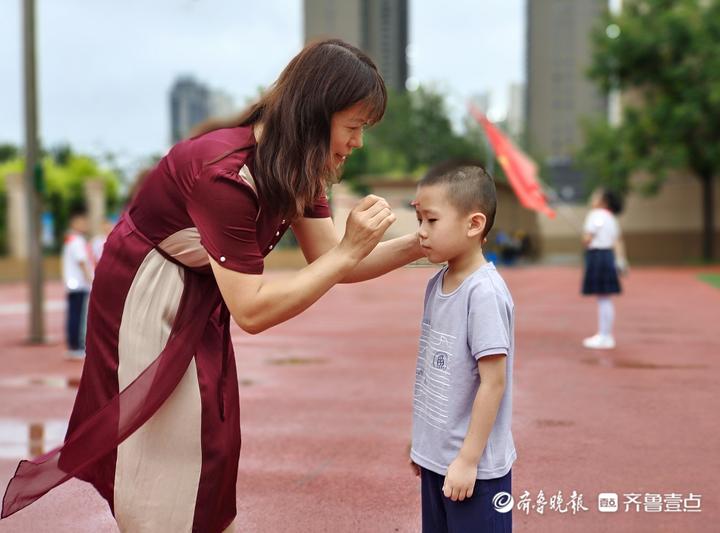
[462,472]
[79,253]
[85,266]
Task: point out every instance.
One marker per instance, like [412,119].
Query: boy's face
[80,224]
[444,232]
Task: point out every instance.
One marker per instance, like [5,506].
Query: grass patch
[293,361]
[712,279]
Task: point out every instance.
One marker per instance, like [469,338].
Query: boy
[462,447]
[77,277]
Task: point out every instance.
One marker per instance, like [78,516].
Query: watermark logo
[607,502]
[503,502]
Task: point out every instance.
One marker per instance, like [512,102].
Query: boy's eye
[432,219]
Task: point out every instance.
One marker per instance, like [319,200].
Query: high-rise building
[191,103]
[515,121]
[379,27]
[559,94]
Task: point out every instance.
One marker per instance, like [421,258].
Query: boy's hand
[415,468]
[460,479]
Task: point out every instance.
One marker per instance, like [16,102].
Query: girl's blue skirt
[601,275]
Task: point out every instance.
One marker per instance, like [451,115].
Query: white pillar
[16,216]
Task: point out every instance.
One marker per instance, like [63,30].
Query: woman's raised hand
[366,224]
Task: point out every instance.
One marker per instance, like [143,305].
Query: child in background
[77,277]
[97,243]
[462,446]
[604,257]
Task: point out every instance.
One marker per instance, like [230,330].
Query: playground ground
[326,409]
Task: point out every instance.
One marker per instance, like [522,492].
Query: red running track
[326,408]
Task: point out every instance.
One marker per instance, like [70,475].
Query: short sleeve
[593,222]
[319,209]
[78,250]
[488,323]
[225,213]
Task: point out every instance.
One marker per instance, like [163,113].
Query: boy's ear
[477,223]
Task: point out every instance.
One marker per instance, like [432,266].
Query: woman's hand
[366,224]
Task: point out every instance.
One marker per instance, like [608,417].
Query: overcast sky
[105,67]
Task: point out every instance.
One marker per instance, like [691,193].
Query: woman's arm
[386,256]
[317,236]
[257,304]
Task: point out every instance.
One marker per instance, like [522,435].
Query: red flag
[520,170]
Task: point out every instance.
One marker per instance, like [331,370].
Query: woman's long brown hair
[293,160]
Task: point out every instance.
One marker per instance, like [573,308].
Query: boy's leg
[74,307]
[478,514]
[83,319]
[433,512]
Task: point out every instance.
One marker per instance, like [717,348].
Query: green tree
[63,187]
[666,53]
[8,152]
[415,133]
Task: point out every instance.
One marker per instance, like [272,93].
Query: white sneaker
[75,355]
[600,342]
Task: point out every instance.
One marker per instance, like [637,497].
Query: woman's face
[346,133]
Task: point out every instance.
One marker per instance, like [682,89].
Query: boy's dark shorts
[474,515]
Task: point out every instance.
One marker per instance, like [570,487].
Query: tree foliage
[664,56]
[415,133]
[64,177]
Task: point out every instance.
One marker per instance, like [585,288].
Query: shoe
[599,342]
[75,355]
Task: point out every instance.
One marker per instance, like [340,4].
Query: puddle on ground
[547,423]
[20,439]
[55,382]
[630,363]
[297,361]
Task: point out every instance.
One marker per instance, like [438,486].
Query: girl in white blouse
[604,257]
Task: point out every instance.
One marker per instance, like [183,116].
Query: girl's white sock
[606,315]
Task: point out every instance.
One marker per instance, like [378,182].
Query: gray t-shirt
[458,328]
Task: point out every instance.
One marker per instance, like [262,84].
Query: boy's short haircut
[77,210]
[469,187]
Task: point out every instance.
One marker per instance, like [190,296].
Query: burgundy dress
[164,451]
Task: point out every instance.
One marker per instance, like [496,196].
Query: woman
[604,257]
[185,258]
